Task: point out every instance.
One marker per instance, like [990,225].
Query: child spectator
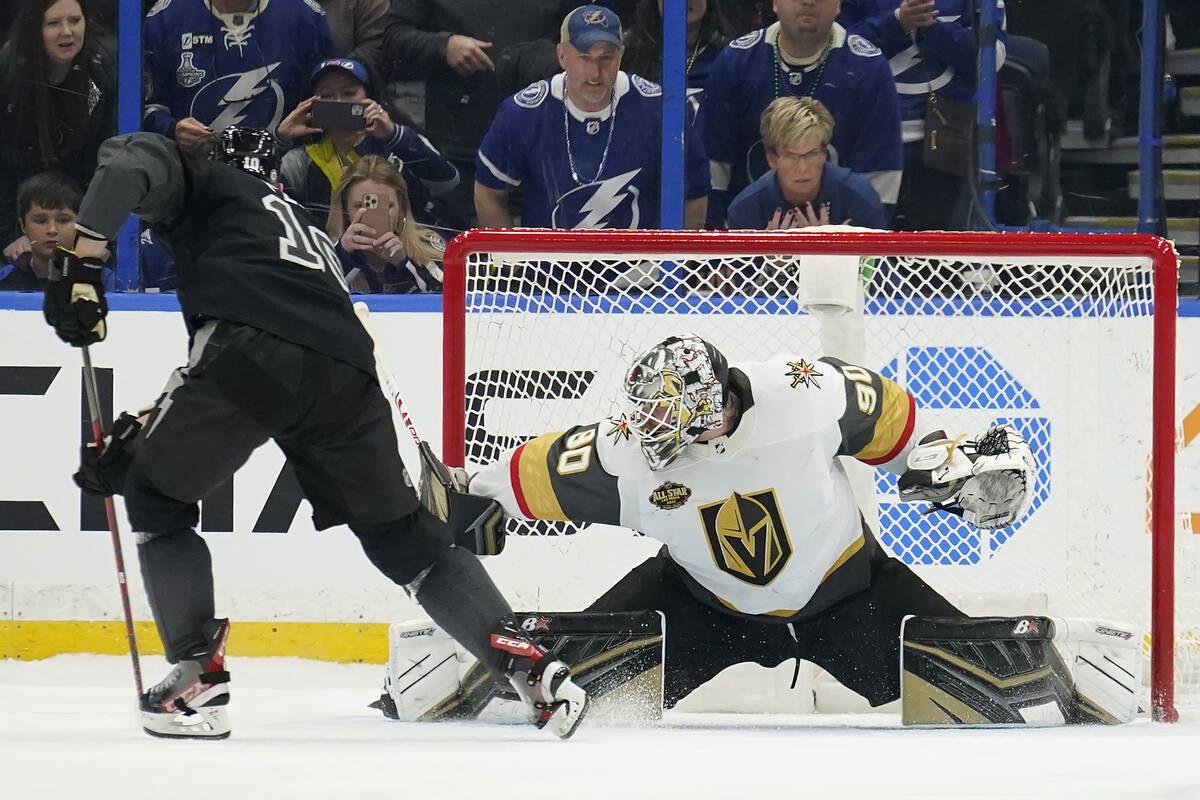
[47,204]
[310,173]
[58,102]
[406,257]
[803,188]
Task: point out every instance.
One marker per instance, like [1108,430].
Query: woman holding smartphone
[383,250]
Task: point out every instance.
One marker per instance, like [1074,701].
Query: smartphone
[376,214]
[334,115]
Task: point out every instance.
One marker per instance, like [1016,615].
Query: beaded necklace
[779,63]
[612,126]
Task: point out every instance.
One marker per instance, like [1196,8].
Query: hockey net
[1069,338]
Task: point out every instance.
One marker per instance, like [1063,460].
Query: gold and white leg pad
[1019,671]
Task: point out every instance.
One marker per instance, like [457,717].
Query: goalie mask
[251,150]
[674,392]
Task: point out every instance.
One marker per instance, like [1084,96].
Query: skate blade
[566,718]
[211,722]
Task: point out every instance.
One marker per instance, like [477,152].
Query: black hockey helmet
[251,150]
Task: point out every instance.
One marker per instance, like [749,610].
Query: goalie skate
[192,701]
[554,701]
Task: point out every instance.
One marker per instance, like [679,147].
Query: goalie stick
[89,388]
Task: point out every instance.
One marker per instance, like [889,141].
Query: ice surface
[301,729]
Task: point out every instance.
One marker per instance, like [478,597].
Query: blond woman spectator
[382,249]
[802,187]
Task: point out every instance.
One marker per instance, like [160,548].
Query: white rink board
[306,576]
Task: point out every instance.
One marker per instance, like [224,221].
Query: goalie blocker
[1018,671]
[478,521]
[616,658]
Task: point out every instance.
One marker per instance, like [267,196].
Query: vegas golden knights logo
[747,536]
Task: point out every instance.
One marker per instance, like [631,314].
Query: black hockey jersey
[244,251]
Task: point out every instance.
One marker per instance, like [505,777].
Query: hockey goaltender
[766,555]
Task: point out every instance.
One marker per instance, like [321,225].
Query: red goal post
[537,324]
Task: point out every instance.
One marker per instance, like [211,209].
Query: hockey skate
[555,702]
[192,701]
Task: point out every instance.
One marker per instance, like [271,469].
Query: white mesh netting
[1060,347]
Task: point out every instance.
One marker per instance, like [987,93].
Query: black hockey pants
[857,640]
[242,387]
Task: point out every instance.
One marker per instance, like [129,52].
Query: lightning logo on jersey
[248,72]
[611,203]
[236,93]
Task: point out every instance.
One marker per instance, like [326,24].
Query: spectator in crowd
[803,188]
[397,257]
[58,103]
[932,52]
[47,204]
[805,54]
[357,28]
[310,172]
[212,64]
[705,37]
[472,54]
[584,146]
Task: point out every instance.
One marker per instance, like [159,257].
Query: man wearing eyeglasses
[803,188]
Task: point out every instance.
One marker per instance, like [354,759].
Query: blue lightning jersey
[230,69]
[941,59]
[618,168]
[853,81]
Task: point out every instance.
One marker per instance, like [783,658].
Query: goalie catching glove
[478,521]
[987,481]
[74,303]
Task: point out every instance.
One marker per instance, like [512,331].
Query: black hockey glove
[74,303]
[104,473]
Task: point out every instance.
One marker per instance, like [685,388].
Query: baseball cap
[589,24]
[355,68]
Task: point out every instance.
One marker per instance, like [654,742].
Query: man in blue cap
[584,145]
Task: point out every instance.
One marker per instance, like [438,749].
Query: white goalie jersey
[763,519]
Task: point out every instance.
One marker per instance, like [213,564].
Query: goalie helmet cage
[1068,337]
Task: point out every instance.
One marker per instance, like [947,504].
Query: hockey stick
[483,532]
[385,376]
[89,386]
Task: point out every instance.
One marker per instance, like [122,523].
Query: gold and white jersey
[762,519]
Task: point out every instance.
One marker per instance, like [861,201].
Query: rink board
[293,590]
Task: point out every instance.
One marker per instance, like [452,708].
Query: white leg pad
[423,667]
[1105,659]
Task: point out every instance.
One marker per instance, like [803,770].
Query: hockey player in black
[276,352]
